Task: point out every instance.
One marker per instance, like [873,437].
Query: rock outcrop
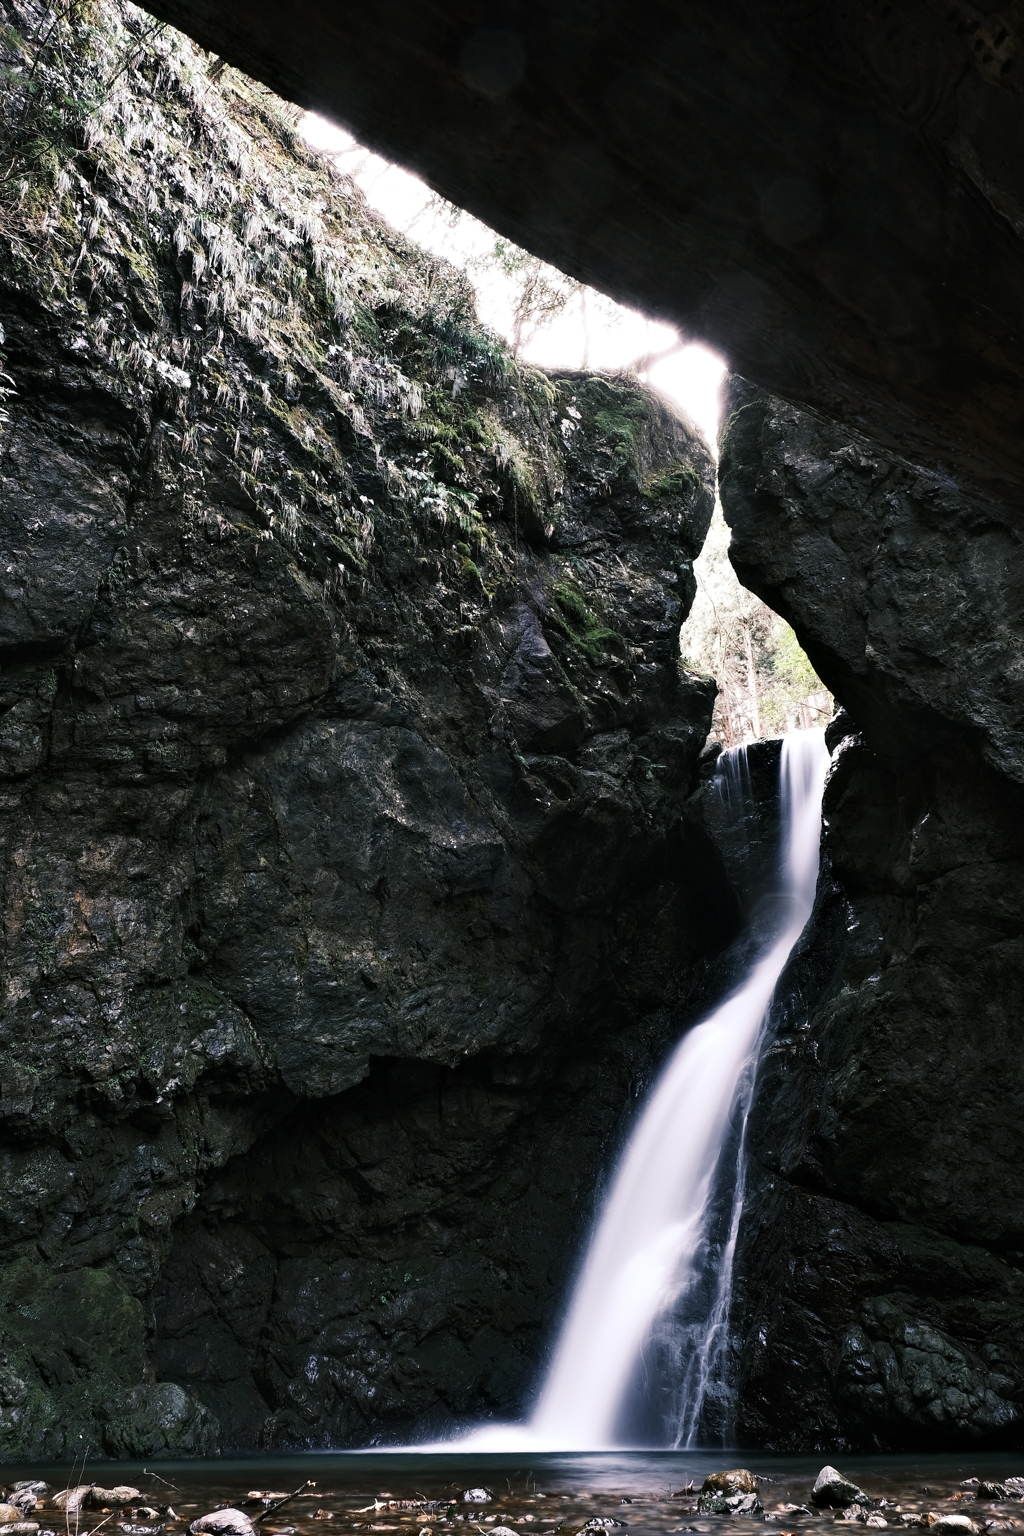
[343,747]
[829,194]
[881,1296]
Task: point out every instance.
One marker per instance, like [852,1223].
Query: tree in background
[541,293]
[534,293]
[766,685]
[521,295]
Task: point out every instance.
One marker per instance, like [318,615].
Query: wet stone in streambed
[429,1501]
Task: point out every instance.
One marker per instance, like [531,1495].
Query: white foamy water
[650,1246]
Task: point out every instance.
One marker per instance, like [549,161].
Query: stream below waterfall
[646,1492]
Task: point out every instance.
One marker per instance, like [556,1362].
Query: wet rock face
[343,752]
[737,804]
[880,1298]
[382,1262]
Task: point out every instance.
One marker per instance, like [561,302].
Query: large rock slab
[343,754]
[907,595]
[880,1295]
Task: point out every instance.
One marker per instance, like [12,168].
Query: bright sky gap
[596,333]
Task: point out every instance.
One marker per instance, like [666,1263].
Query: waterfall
[657,1275]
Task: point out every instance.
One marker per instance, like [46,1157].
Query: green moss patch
[583,628]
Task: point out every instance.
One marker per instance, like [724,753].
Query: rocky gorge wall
[356,866]
[344,742]
[880,1295]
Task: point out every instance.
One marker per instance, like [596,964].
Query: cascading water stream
[652,1250]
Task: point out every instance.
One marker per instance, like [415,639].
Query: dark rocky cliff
[881,1293]
[831,194]
[344,743]
[348,896]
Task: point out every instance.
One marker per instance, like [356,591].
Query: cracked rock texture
[880,1295]
[344,742]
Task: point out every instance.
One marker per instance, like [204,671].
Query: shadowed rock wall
[829,193]
[881,1295]
[348,895]
[343,748]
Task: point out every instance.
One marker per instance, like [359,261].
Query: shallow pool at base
[537,1494]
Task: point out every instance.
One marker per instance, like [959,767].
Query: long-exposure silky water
[652,1250]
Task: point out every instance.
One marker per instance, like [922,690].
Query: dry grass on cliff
[164,211]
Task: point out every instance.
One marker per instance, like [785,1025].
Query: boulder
[954,1525]
[477,1496]
[70,1499]
[736,1504]
[730,1493]
[223,1522]
[737,1481]
[112,1498]
[9,1512]
[834,1491]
